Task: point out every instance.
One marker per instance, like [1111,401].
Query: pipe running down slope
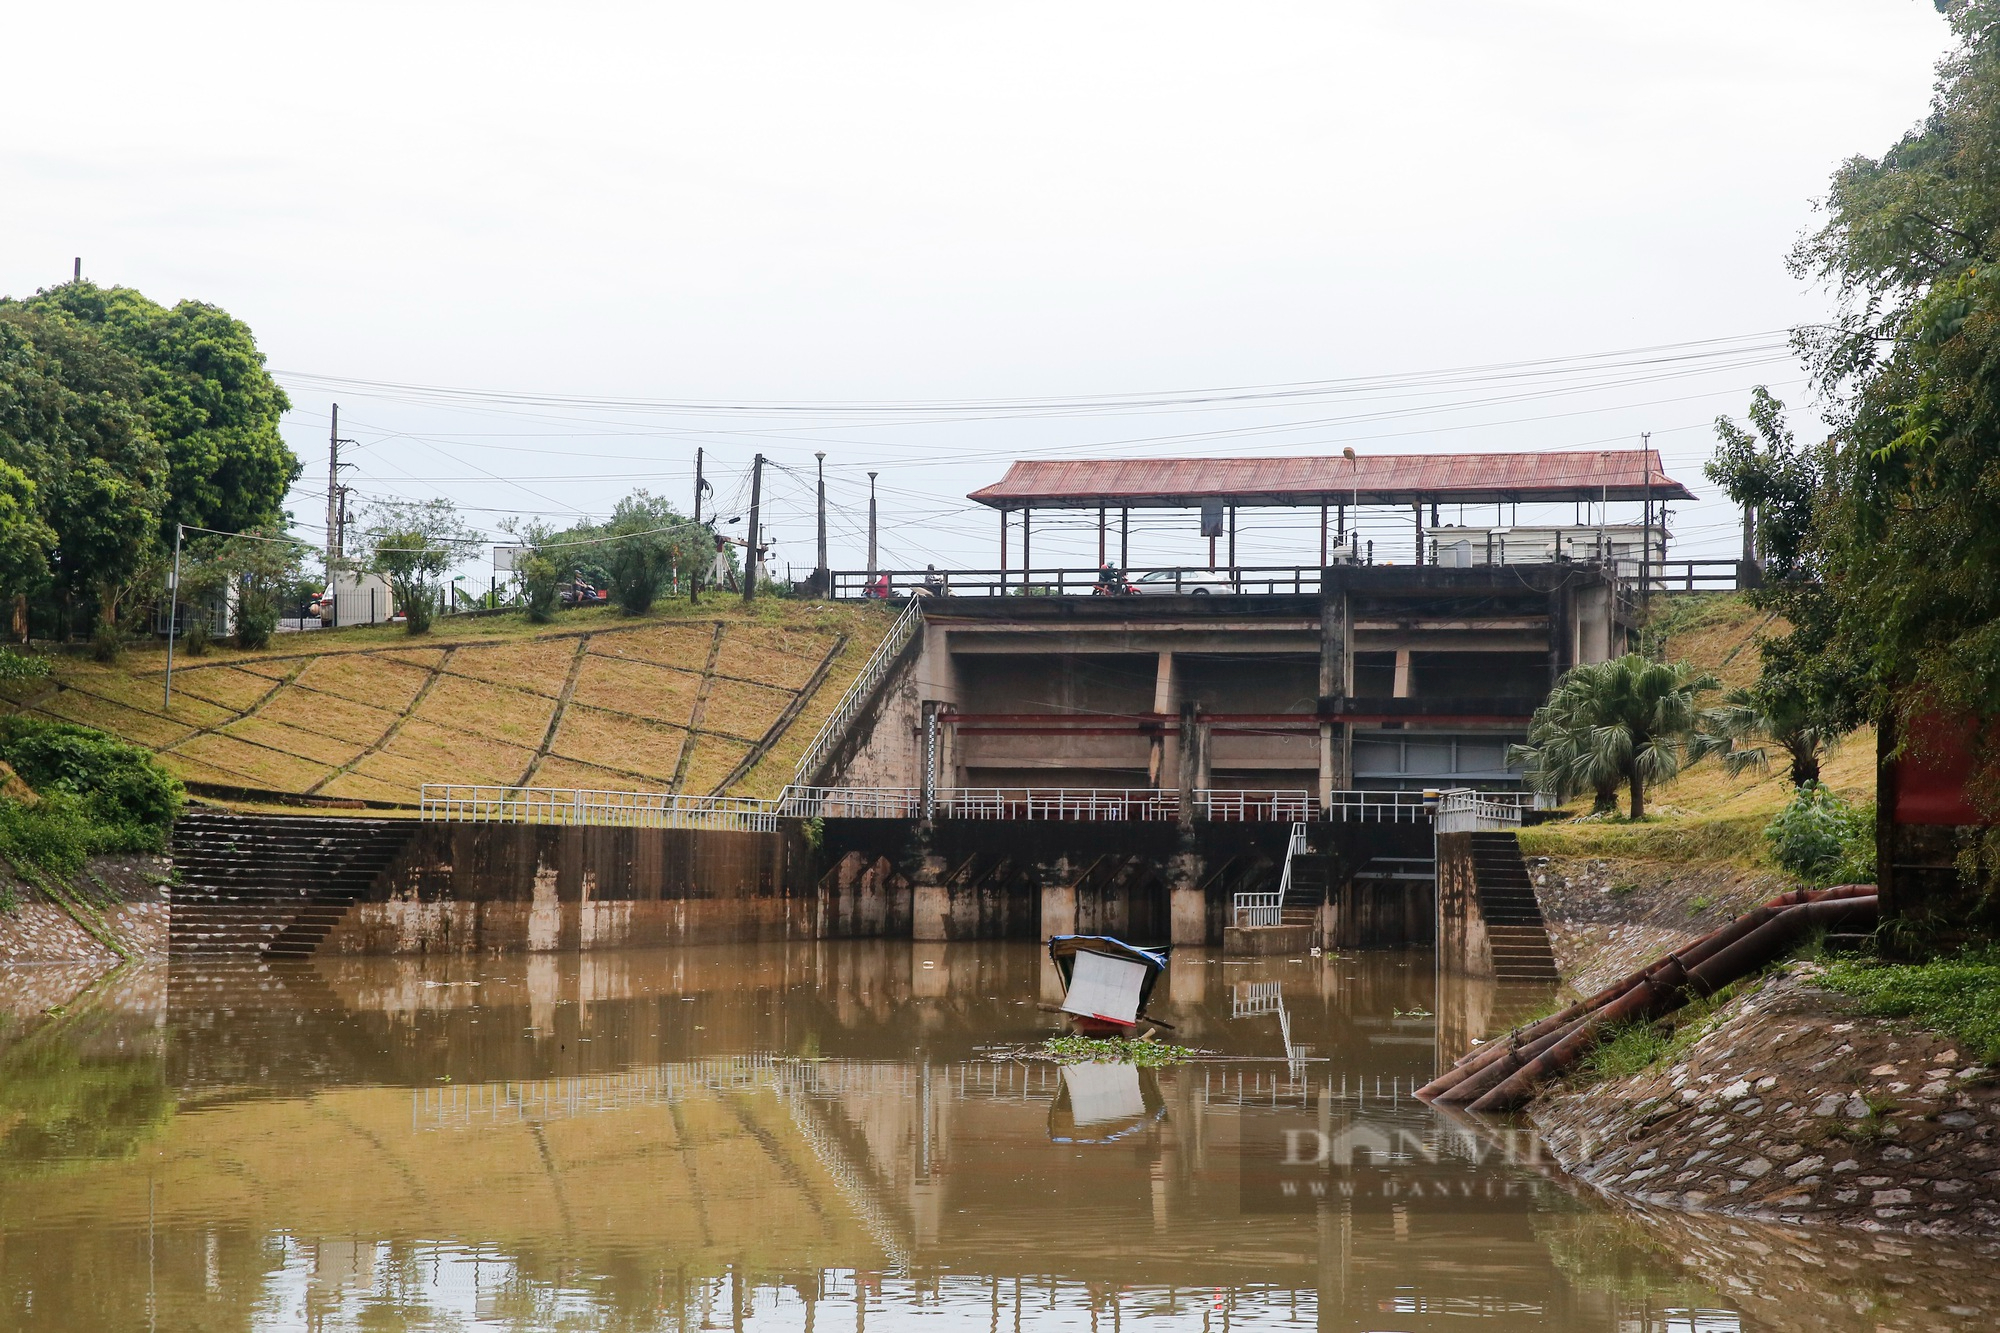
[1502,1074]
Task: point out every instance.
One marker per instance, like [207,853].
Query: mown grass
[288,719]
[1958,996]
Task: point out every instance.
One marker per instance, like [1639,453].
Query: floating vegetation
[1141,1051]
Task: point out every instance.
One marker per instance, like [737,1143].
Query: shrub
[1823,839]
[107,645]
[19,666]
[111,783]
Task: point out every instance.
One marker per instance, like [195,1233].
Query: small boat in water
[1106,982]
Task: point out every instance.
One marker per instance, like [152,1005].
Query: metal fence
[1065,581]
[639,809]
[1473,812]
[616,809]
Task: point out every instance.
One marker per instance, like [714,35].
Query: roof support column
[1334,667]
[1322,536]
[1124,540]
[1417,515]
[1003,550]
[1100,537]
[1232,545]
[1027,550]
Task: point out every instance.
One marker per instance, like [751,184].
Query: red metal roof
[1140,483]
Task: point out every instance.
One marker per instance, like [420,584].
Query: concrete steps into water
[1515,931]
[271,886]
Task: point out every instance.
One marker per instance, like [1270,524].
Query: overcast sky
[877,203]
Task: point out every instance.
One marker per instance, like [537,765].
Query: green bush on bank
[98,794]
[1822,839]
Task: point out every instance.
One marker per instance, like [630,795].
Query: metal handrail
[858,694]
[1465,811]
[475,804]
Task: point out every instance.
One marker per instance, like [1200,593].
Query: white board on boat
[1098,1093]
[1101,986]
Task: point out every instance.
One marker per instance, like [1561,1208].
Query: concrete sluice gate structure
[1143,767]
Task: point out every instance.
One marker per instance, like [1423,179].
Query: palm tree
[1780,716]
[1627,722]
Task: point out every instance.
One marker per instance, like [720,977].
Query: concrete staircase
[271,886]
[1514,927]
[1307,891]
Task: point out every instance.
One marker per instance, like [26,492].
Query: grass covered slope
[1706,815]
[715,698]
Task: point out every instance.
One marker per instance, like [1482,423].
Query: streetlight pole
[871,529]
[820,571]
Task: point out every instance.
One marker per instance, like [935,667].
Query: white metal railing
[1380,807]
[872,671]
[1058,803]
[465,803]
[1268,909]
[850,802]
[1475,812]
[1259,909]
[620,809]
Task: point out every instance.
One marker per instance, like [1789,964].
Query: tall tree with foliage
[1905,537]
[1628,722]
[1769,712]
[650,543]
[70,419]
[413,545]
[546,559]
[206,397]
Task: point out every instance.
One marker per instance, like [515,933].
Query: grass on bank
[1958,996]
[595,699]
[1633,1048]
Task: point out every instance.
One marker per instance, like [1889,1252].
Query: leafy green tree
[651,543]
[1905,537]
[413,545]
[1771,712]
[70,420]
[1627,722]
[206,397]
[25,539]
[546,563]
[1765,471]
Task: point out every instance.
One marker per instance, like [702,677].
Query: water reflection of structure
[750,1133]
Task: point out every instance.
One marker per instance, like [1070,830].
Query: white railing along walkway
[1475,812]
[1457,811]
[872,671]
[617,809]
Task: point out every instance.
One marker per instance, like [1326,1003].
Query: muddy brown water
[832,1135]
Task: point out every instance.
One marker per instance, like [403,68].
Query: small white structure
[361,599]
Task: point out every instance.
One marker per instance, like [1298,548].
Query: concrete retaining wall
[537,888]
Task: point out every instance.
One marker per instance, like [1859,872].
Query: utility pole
[697,487]
[821,574]
[336,506]
[76,274]
[871,530]
[1646,540]
[750,553]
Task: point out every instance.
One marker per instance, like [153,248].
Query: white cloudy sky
[905,203]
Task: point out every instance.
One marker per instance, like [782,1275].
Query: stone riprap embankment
[125,896]
[1608,917]
[1793,1108]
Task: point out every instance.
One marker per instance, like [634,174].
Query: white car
[1198,582]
